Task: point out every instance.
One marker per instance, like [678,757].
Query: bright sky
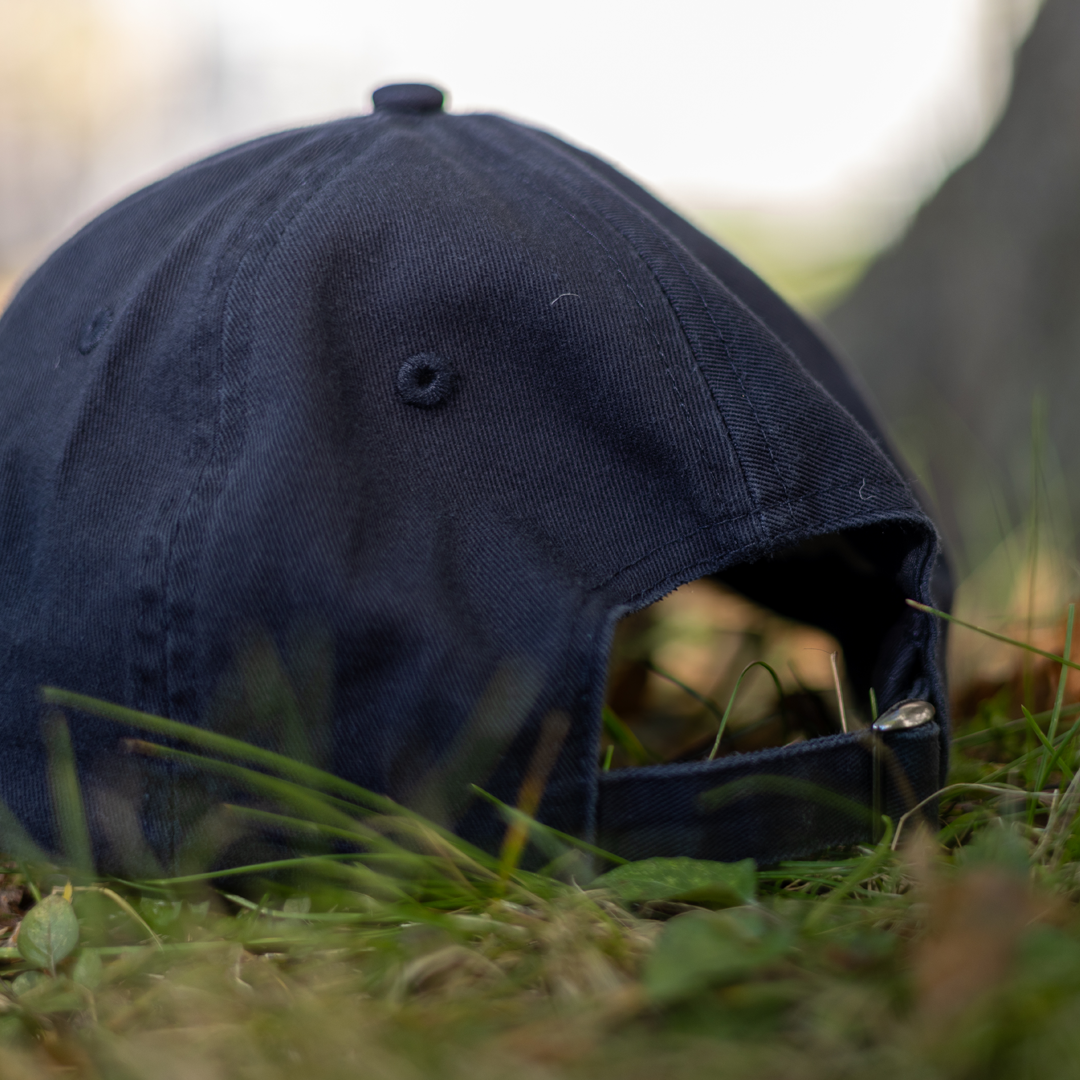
[713,101]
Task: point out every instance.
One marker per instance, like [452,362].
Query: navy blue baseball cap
[437,399]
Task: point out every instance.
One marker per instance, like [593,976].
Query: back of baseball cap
[447,398]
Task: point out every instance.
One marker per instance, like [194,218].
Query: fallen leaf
[708,948]
[48,932]
[975,926]
[691,881]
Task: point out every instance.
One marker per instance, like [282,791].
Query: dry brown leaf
[975,926]
[451,968]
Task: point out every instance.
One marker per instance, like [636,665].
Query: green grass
[395,950]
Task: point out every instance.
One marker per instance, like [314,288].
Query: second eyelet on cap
[425,380]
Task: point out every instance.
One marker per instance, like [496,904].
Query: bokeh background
[905,171]
[804,133]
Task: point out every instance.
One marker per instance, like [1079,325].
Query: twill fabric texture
[390,420]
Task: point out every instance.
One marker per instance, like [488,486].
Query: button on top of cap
[408,97]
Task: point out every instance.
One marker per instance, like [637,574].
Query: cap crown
[429,392]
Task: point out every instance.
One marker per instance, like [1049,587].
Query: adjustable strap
[787,803]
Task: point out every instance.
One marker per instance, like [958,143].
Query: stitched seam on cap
[682,402]
[662,236]
[229,285]
[742,517]
[610,257]
[720,335]
[644,314]
[712,397]
[731,360]
[875,445]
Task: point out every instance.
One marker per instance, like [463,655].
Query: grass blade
[511,813]
[862,870]
[985,735]
[67,795]
[765,784]
[991,634]
[309,861]
[18,844]
[1061,743]
[359,835]
[124,906]
[306,775]
[304,799]
[334,917]
[984,786]
[708,703]
[303,776]
[626,740]
[1033,727]
[1044,768]
[548,744]
[1050,753]
[731,700]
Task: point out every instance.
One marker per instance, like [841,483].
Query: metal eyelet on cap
[905,714]
[425,380]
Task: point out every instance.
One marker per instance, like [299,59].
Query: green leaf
[693,881]
[39,993]
[88,970]
[29,980]
[49,931]
[160,914]
[705,948]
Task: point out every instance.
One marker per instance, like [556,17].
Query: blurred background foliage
[804,136]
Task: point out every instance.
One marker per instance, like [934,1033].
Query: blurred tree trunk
[976,311]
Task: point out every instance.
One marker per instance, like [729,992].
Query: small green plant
[49,932]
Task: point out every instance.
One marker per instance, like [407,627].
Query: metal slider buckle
[902,716]
[905,714]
